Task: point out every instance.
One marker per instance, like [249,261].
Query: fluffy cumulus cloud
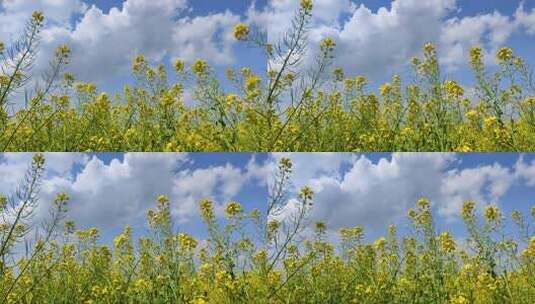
[357,190]
[104,43]
[349,189]
[112,194]
[372,41]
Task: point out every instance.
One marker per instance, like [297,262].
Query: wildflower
[38,17]
[429,47]
[285,165]
[423,203]
[533,211]
[306,193]
[38,161]
[245,244]
[20,229]
[138,63]
[459,300]
[233,209]
[199,67]
[338,74]
[3,202]
[492,213]
[207,209]
[464,149]
[290,77]
[476,56]
[504,54]
[447,242]
[453,89]
[61,200]
[272,228]
[306,5]
[385,89]
[380,243]
[260,256]
[231,99]
[349,84]
[360,81]
[320,227]
[468,209]
[471,114]
[187,242]
[141,285]
[69,227]
[327,44]
[163,199]
[179,65]
[241,31]
[63,51]
[252,82]
[199,301]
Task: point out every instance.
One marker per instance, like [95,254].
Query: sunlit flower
[447,242]
[241,31]
[306,5]
[504,54]
[207,209]
[38,17]
[453,89]
[233,209]
[179,65]
[492,213]
[199,67]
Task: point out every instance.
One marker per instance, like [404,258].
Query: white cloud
[15,13]
[376,193]
[110,195]
[484,185]
[104,43]
[372,42]
[526,19]
[525,171]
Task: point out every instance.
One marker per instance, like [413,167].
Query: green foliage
[290,108]
[251,257]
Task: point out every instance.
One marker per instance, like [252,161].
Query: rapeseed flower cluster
[233,265]
[284,110]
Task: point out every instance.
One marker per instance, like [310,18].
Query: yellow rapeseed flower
[199,67]
[241,31]
[252,82]
[453,89]
[447,242]
[327,44]
[207,209]
[38,17]
[504,54]
[468,209]
[233,209]
[492,213]
[306,5]
[429,47]
[179,65]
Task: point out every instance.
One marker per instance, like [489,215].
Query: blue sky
[374,37]
[109,191]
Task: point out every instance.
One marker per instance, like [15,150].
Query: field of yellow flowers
[284,109]
[249,257]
